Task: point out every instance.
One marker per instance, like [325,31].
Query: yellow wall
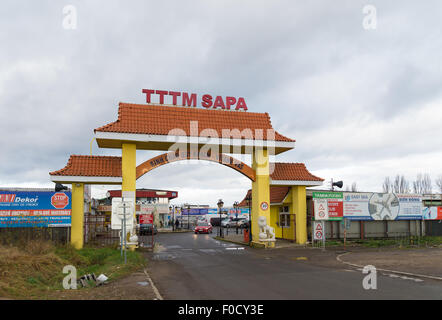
[260,190]
[128,171]
[300,210]
[77,219]
[296,200]
[128,167]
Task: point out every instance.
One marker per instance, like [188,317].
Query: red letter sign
[207,101]
[148,92]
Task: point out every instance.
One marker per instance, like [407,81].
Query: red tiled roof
[291,171]
[244,202]
[277,195]
[160,120]
[91,166]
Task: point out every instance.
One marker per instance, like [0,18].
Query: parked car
[215,222]
[203,227]
[243,223]
[231,223]
[146,229]
[227,223]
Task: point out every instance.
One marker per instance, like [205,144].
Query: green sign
[327,195]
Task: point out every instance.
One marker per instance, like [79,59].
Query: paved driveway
[189,266]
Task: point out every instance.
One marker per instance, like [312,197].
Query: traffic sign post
[319,232]
[122,219]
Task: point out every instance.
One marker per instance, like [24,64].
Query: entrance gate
[189,133]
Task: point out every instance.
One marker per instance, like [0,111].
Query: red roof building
[155,126]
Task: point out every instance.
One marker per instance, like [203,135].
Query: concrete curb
[181,231]
[386,270]
[155,289]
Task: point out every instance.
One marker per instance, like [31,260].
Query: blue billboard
[35,209]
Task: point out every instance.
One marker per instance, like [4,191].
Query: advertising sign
[147,209]
[382,206]
[35,209]
[195,212]
[122,211]
[146,218]
[432,213]
[328,205]
[190,99]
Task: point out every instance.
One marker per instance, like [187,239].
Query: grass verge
[410,242]
[35,271]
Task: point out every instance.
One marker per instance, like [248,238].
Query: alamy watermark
[70,20]
[70,281]
[370,281]
[370,19]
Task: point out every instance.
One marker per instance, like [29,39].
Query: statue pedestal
[267,243]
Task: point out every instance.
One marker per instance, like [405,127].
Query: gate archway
[160,128]
[170,157]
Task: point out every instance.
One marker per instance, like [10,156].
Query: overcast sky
[361,103]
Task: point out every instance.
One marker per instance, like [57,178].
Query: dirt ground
[423,261]
[133,287]
[426,261]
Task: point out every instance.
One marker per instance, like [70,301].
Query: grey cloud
[311,65]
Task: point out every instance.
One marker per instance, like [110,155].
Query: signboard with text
[382,206]
[432,213]
[35,209]
[187,99]
[328,205]
[146,218]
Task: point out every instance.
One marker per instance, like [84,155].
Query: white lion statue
[266,233]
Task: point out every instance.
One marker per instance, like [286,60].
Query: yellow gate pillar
[128,171]
[260,191]
[299,205]
[77,217]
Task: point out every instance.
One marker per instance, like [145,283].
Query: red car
[203,227]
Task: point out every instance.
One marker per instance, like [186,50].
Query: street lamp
[249,202]
[182,213]
[220,205]
[236,205]
[171,208]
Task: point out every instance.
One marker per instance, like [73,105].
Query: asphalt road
[190,266]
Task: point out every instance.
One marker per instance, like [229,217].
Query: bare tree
[427,185]
[401,185]
[354,187]
[422,184]
[439,184]
[387,186]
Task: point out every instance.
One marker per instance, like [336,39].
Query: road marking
[173,247]
[402,277]
[234,248]
[386,270]
[208,250]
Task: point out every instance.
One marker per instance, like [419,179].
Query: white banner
[118,213]
[382,206]
[321,209]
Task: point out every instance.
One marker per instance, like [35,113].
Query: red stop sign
[59,200]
